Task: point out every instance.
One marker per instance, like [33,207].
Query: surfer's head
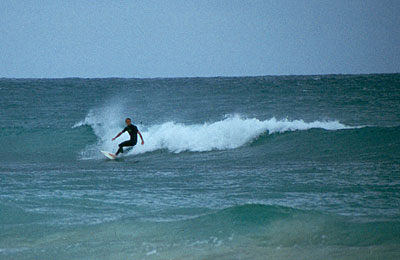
[128,121]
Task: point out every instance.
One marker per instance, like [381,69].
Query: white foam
[229,133]
[232,132]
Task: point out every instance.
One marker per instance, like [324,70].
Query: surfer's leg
[120,149]
[126,143]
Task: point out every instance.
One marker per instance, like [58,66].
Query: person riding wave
[133,131]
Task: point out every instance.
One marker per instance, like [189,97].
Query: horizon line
[233,76]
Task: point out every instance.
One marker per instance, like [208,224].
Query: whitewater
[231,132]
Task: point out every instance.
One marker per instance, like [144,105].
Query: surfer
[133,131]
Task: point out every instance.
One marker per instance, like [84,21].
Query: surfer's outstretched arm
[141,137]
[120,133]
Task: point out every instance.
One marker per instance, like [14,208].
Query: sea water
[288,167]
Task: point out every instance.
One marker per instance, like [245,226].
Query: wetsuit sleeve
[123,130]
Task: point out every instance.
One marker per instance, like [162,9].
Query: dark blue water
[295,167]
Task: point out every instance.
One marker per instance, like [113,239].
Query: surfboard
[109,155]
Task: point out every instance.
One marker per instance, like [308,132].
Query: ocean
[272,167]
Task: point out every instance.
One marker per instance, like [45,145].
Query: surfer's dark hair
[128,119]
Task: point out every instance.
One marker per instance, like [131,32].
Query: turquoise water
[289,167]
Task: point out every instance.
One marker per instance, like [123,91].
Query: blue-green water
[295,167]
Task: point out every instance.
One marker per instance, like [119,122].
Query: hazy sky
[96,38]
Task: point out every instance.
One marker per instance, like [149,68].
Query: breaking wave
[231,132]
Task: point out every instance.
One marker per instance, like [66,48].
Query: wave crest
[232,132]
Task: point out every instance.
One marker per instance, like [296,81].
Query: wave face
[20,143]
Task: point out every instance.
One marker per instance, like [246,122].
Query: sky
[142,39]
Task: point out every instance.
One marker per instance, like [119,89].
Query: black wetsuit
[132,131]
